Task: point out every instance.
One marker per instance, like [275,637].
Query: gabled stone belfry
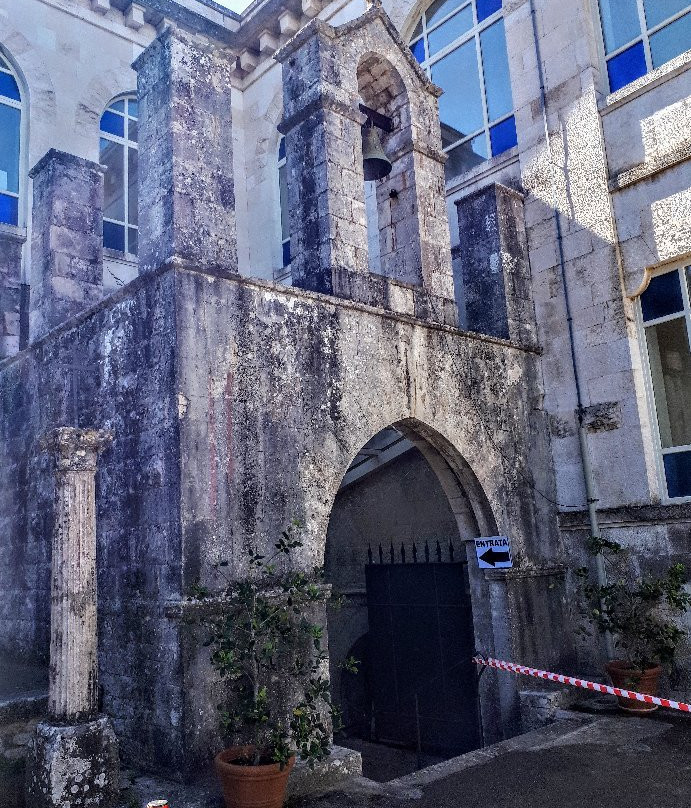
[327,73]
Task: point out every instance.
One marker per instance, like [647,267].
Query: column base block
[73,765]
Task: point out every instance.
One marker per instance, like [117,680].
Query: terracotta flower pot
[628,678]
[245,786]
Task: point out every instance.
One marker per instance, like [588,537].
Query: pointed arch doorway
[395,552]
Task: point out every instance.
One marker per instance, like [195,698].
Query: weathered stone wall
[123,352]
[235,408]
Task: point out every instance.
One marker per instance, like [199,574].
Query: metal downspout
[588,477]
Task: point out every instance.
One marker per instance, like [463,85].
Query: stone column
[74,756]
[11,242]
[66,240]
[495,266]
[186,188]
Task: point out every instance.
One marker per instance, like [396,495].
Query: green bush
[264,629]
[641,614]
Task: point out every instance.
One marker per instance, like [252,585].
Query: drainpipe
[588,476]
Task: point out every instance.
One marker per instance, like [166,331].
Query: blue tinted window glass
[626,67]
[9,148]
[671,40]
[118,105]
[678,474]
[503,136]
[133,107]
[132,238]
[418,49]
[450,30]
[8,87]
[657,11]
[282,149]
[286,253]
[9,209]
[113,124]
[486,7]
[114,236]
[464,157]
[496,65]
[440,8]
[460,108]
[662,297]
[620,22]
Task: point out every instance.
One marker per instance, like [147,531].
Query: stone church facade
[190,258]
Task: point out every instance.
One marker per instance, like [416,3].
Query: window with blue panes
[283,199]
[461,44]
[640,35]
[10,144]
[666,314]
[120,156]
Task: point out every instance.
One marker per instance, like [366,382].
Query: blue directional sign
[493,552]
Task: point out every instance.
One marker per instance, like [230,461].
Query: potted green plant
[641,614]
[267,647]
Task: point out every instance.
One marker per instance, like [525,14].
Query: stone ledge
[178,265]
[23,707]
[627,515]
[342,763]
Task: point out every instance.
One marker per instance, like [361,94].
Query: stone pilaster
[11,242]
[186,189]
[495,266]
[66,240]
[74,756]
[322,126]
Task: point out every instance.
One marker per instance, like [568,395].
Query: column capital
[76,449]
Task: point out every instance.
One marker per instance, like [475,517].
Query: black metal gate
[423,682]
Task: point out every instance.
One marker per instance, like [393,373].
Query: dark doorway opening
[396,557]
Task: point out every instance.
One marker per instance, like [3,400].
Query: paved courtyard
[582,761]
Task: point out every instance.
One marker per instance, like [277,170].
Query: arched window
[10,137]
[118,153]
[462,46]
[283,196]
[640,35]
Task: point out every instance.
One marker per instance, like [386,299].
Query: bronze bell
[375,162]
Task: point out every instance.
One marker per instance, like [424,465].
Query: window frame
[644,34]
[11,102]
[127,144]
[473,33]
[680,268]
[284,270]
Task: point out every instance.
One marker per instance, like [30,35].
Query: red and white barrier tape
[586,685]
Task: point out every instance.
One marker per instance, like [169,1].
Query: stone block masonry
[495,266]
[11,242]
[186,196]
[326,71]
[239,406]
[67,239]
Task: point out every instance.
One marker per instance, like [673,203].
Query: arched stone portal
[401,519]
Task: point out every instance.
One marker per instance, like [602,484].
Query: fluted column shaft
[73,693]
